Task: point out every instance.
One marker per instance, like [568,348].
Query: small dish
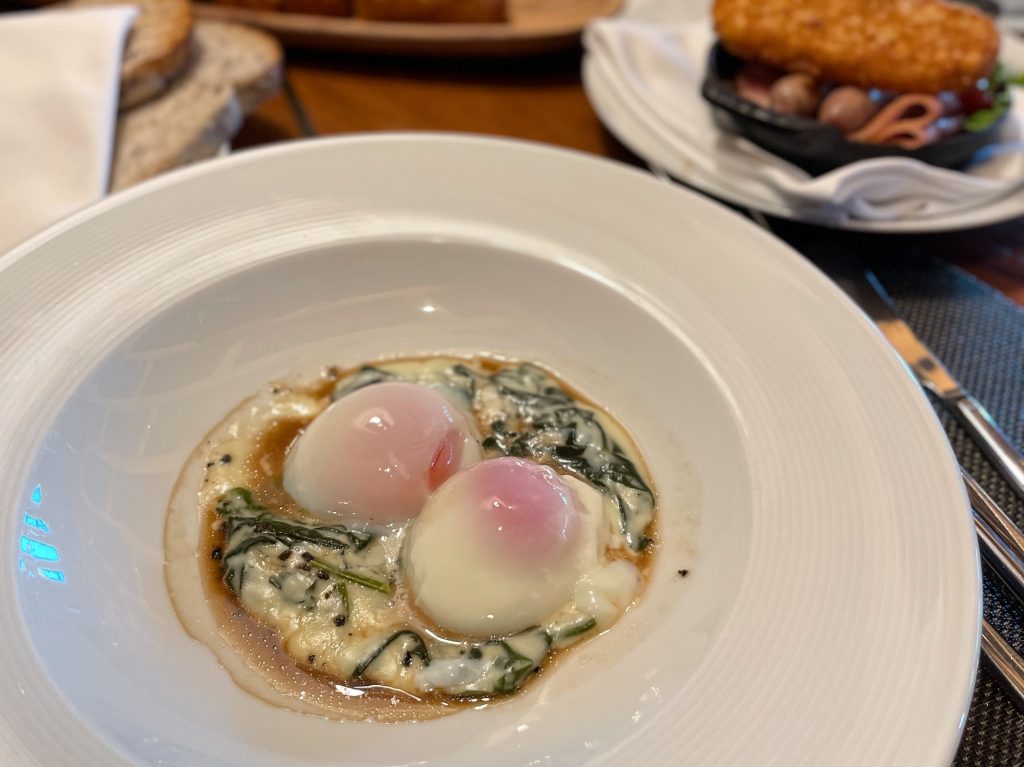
[810,144]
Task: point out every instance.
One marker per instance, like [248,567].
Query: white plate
[751,193]
[831,614]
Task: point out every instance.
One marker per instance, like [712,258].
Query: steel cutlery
[1000,541]
[934,377]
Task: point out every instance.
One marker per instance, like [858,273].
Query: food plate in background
[724,170]
[805,483]
[534,26]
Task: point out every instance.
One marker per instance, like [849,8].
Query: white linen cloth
[59,82]
[655,69]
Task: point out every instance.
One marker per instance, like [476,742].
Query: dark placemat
[979,334]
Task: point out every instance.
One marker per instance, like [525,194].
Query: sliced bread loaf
[234,69]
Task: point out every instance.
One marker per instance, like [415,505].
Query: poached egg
[495,549]
[376,455]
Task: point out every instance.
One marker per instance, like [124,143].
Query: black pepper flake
[226,458]
[209,464]
[475,654]
[407,659]
[339,620]
[283,556]
[217,553]
[305,566]
[275,389]
[683,573]
[311,658]
[331,372]
[322,575]
[536,669]
[307,556]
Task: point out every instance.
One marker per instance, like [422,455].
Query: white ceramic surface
[753,192]
[831,612]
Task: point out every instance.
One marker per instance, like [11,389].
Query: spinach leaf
[414,647]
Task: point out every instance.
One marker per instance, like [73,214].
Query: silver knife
[933,376]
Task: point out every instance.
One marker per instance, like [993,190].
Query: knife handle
[992,441]
[1003,663]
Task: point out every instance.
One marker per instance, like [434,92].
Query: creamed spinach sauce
[334,593]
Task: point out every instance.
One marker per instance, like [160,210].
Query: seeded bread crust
[158,49]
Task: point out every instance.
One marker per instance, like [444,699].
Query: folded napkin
[58,105]
[655,71]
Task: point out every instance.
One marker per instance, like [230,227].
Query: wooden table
[539,99]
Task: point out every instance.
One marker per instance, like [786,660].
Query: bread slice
[158,47]
[451,11]
[234,70]
[250,60]
[189,123]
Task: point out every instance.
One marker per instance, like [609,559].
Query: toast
[235,69]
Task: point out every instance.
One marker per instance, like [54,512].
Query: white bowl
[804,481]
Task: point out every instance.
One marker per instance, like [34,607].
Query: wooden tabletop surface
[541,99]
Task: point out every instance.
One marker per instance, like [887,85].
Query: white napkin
[59,76]
[655,71]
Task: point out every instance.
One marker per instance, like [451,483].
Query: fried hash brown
[919,46]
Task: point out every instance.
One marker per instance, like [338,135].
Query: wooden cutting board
[534,26]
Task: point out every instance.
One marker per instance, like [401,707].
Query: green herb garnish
[1001,81]
[351,577]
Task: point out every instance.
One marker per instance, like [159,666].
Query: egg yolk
[375,455]
[495,550]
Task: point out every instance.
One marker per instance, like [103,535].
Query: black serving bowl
[807,143]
